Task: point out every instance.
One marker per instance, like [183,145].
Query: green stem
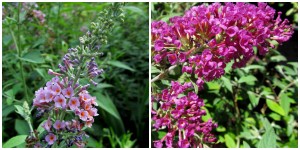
[18,47]
[28,120]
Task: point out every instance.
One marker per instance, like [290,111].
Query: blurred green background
[265,91]
[122,94]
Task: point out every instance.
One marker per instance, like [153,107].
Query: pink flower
[60,101]
[68,92]
[49,96]
[85,97]
[93,112]
[50,138]
[55,88]
[58,125]
[87,106]
[172,59]
[47,125]
[89,123]
[74,103]
[83,115]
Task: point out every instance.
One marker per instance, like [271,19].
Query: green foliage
[35,47]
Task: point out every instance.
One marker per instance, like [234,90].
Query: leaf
[21,127]
[250,67]
[227,83]
[136,10]
[104,85]
[20,110]
[33,57]
[246,145]
[221,129]
[40,128]
[106,103]
[284,102]
[10,96]
[275,107]
[248,79]
[213,85]
[253,98]
[15,141]
[207,116]
[120,65]
[229,141]
[154,70]
[268,139]
[278,58]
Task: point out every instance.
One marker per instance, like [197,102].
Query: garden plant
[64,97]
[218,79]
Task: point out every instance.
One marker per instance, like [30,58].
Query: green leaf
[246,145]
[20,110]
[278,58]
[15,141]
[229,141]
[40,128]
[136,10]
[207,116]
[154,70]
[250,67]
[253,98]
[107,104]
[284,102]
[33,57]
[120,65]
[275,116]
[227,83]
[104,85]
[248,79]
[21,127]
[10,96]
[268,139]
[221,129]
[213,85]
[275,107]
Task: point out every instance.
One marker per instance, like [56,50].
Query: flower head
[50,138]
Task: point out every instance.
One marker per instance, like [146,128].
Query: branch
[160,76]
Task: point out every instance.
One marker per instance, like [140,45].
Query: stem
[288,86]
[161,75]
[28,120]
[18,47]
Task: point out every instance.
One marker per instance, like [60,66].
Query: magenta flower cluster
[202,42]
[59,97]
[181,113]
[208,37]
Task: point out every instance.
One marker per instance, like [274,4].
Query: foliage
[43,39]
[254,106]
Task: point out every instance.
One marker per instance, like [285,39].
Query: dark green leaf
[120,65]
[21,127]
[247,79]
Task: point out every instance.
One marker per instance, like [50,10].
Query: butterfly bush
[203,41]
[66,105]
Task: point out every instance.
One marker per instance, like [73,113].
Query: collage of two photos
[149,75]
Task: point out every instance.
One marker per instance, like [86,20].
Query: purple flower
[231,31]
[182,123]
[182,57]
[159,45]
[50,138]
[74,103]
[60,101]
[68,92]
[158,144]
[47,125]
[58,125]
[187,69]
[172,59]
[183,143]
